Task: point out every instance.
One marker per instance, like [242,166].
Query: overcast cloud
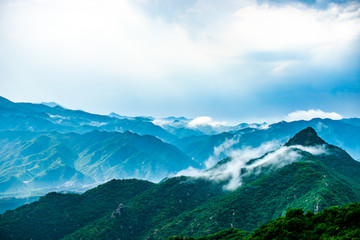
[245,60]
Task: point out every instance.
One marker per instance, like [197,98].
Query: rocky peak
[306,137]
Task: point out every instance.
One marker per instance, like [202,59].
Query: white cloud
[313,34]
[119,37]
[199,121]
[310,114]
[204,120]
[221,151]
[239,167]
[161,122]
[113,36]
[321,149]
[204,51]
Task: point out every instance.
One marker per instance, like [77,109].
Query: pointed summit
[306,137]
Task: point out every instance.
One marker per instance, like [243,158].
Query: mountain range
[344,133]
[71,161]
[46,147]
[305,172]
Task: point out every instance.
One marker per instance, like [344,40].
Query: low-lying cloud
[221,151]
[310,114]
[248,161]
[204,120]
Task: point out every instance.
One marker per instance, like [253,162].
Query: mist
[248,161]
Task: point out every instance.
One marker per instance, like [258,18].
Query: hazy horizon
[198,120]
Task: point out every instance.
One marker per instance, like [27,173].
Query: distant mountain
[183,127]
[115,115]
[32,162]
[197,141]
[51,104]
[306,173]
[40,117]
[12,202]
[201,148]
[344,133]
[178,127]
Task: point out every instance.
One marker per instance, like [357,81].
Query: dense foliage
[145,211]
[227,234]
[333,223]
[56,215]
[296,185]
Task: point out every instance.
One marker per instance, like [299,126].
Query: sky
[231,60]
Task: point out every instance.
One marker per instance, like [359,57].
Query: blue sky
[231,60]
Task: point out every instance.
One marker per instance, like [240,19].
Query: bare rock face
[121,209]
[306,137]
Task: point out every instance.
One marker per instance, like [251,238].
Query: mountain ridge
[48,140]
[306,137]
[91,157]
[190,206]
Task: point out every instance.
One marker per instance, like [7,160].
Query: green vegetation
[178,206]
[227,234]
[331,223]
[56,215]
[296,185]
[164,201]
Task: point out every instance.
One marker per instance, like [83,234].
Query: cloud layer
[239,167]
[204,120]
[195,58]
[310,114]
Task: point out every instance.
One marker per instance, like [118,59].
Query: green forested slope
[164,201]
[332,223]
[56,215]
[311,186]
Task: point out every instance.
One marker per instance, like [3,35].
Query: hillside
[32,162]
[312,182]
[305,175]
[56,215]
[331,223]
[118,208]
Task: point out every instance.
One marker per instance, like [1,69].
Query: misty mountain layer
[46,147]
[32,161]
[321,175]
